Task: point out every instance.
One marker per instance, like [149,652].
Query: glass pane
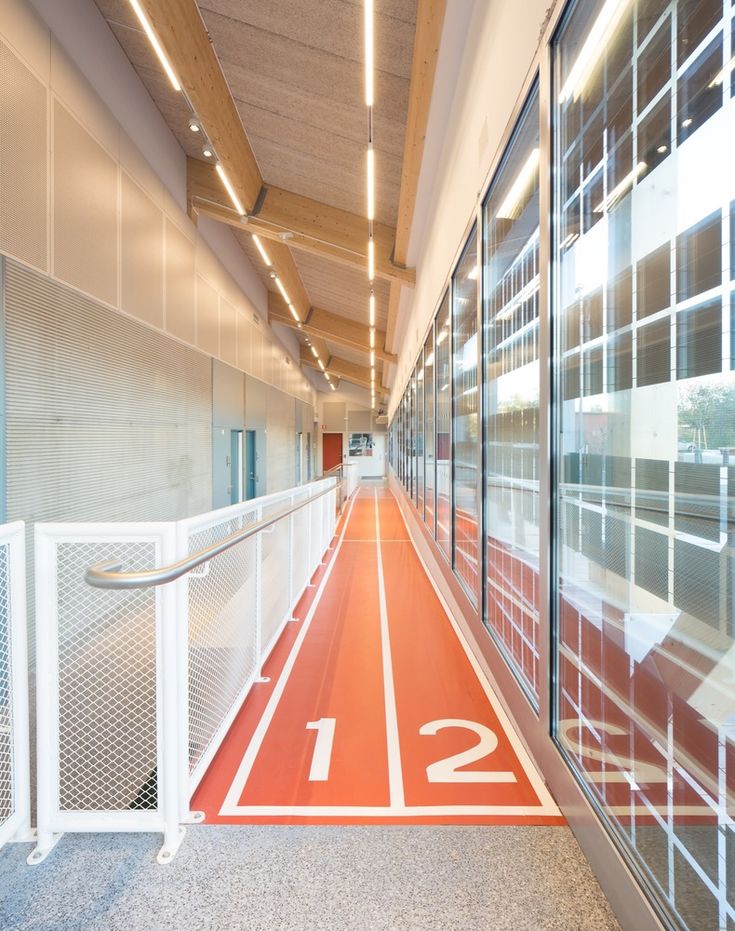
[420,436]
[645,612]
[412,436]
[430,467]
[465,424]
[443,430]
[511,322]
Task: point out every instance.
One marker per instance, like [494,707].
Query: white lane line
[395,773]
[230,805]
[548,806]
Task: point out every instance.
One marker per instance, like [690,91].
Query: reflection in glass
[419,495]
[645,612]
[465,421]
[511,323]
[443,430]
[430,462]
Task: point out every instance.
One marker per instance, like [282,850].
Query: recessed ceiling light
[207,152]
[195,126]
[662,148]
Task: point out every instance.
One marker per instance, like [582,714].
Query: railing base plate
[169,851]
[39,854]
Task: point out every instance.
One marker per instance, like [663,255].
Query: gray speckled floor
[303,878]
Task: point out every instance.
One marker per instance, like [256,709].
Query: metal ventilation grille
[106,419]
[7,791]
[85,209]
[23,162]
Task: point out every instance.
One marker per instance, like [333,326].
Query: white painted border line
[230,805]
[395,771]
[548,806]
[387,811]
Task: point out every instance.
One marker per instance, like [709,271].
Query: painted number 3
[446,770]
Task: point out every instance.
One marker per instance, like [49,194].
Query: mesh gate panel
[276,561]
[222,631]
[7,789]
[107,682]
[300,566]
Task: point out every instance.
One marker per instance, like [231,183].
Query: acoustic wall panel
[280,441]
[207,317]
[141,254]
[227,331]
[85,209]
[106,419]
[23,162]
[244,344]
[180,284]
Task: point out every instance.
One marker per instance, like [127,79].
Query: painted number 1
[447,770]
[322,756]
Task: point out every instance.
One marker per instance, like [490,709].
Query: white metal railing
[351,471]
[14,758]
[137,686]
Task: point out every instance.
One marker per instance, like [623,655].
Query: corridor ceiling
[278,89]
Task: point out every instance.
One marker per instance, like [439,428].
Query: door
[299,458]
[331,450]
[237,489]
[251,461]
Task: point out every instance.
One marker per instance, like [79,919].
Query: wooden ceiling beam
[332,327]
[307,224]
[341,368]
[182,33]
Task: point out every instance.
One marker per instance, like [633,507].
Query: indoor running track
[376,712]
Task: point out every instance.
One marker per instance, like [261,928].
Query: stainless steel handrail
[110,575]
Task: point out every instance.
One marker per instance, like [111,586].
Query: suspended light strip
[261,249]
[370,183]
[372,337]
[619,190]
[157,47]
[294,313]
[284,292]
[321,365]
[230,189]
[372,357]
[371,259]
[372,309]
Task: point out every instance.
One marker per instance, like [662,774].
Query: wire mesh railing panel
[300,565]
[316,516]
[107,725]
[7,789]
[222,636]
[275,568]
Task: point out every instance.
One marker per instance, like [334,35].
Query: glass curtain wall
[443,430]
[420,436]
[429,426]
[412,436]
[645,169]
[511,383]
[465,397]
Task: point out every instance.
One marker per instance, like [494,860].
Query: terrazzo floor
[227,878]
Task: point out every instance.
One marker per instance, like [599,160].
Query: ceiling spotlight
[207,152]
[285,236]
[195,126]
[687,122]
[661,149]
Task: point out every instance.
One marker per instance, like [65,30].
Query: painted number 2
[447,770]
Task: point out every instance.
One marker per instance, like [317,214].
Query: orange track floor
[375,711]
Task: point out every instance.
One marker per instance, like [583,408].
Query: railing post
[291,604]
[259,599]
[170,750]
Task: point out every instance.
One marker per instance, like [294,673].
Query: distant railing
[141,673]
[14,771]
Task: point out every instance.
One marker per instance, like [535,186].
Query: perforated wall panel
[106,419]
[207,317]
[23,162]
[180,300]
[141,254]
[85,209]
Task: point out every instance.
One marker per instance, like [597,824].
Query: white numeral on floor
[322,756]
[447,770]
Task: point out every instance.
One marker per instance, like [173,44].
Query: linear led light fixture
[314,352]
[590,53]
[371,258]
[284,292]
[369,54]
[261,249]
[230,189]
[372,357]
[620,189]
[321,365]
[157,47]
[332,387]
[441,337]
[370,182]
[372,337]
[372,309]
[294,313]
[511,206]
